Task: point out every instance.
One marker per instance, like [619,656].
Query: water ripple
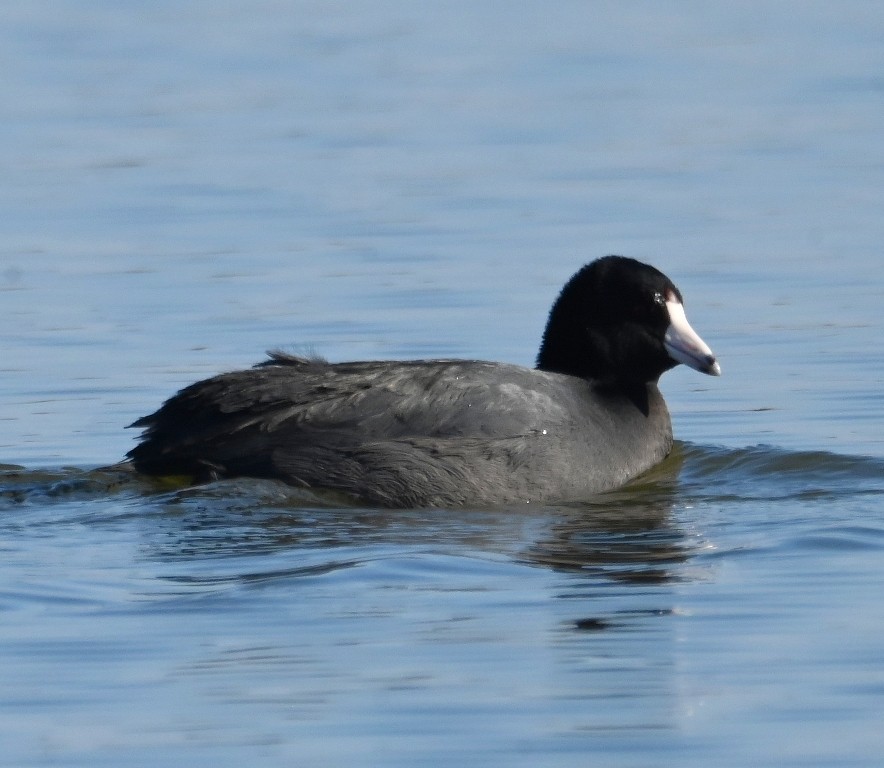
[769,473]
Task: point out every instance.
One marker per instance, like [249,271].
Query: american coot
[439,433]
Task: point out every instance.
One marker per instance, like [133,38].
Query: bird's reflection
[627,535]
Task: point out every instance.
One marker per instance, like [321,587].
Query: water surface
[186,187]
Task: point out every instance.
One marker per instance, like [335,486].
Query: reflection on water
[244,531]
[626,534]
[629,535]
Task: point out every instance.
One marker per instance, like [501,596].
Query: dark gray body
[423,433]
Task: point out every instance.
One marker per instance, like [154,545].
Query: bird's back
[414,433]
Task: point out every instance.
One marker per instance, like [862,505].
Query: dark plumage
[452,432]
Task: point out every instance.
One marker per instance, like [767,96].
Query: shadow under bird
[439,433]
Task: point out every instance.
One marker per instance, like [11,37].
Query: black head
[619,319]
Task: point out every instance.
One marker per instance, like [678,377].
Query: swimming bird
[440,433]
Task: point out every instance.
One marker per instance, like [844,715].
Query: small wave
[19,485]
[768,472]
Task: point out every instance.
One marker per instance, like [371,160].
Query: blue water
[187,186]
